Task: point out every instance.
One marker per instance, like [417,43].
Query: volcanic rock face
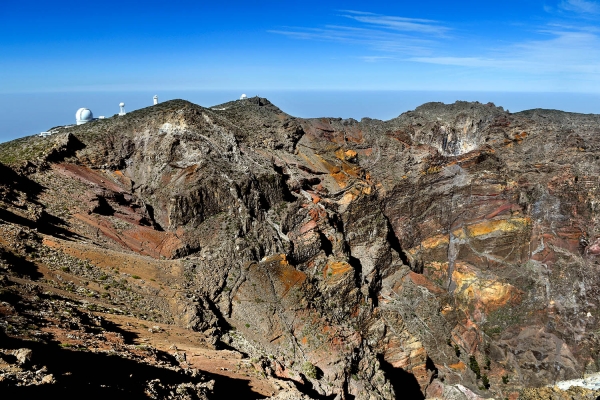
[451,252]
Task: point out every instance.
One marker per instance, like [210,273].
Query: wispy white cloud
[554,27]
[580,6]
[374,39]
[373,59]
[383,33]
[571,52]
[466,61]
[395,23]
[566,47]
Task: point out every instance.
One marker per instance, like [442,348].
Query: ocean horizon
[24,114]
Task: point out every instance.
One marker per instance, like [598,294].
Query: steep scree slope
[451,252]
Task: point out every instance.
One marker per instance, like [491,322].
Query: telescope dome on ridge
[83,115]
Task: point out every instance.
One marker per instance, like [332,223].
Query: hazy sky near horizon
[529,46]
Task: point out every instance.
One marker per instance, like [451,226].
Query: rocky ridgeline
[448,253]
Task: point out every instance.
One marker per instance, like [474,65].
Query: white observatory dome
[83,115]
[242,97]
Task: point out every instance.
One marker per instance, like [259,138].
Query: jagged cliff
[450,252]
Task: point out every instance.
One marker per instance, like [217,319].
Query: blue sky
[530,46]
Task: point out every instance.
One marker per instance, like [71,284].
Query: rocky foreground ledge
[188,252]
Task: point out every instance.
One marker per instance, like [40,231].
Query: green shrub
[474,366]
[485,382]
[309,370]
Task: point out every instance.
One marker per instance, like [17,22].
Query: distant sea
[23,114]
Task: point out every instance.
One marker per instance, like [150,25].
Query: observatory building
[155,98]
[83,115]
[243,97]
[122,107]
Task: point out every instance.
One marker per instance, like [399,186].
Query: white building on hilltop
[83,115]
[122,109]
[155,98]
[243,97]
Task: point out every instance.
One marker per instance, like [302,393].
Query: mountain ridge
[447,252]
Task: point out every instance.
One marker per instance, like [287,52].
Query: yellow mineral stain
[332,168]
[287,274]
[335,171]
[345,155]
[488,227]
[351,170]
[275,257]
[348,197]
[474,230]
[350,154]
[459,366]
[492,294]
[520,136]
[337,268]
[435,241]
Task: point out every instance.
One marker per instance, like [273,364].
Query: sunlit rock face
[453,129]
[452,251]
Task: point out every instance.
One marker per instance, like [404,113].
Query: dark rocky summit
[449,253]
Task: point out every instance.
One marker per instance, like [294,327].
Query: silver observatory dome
[83,115]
